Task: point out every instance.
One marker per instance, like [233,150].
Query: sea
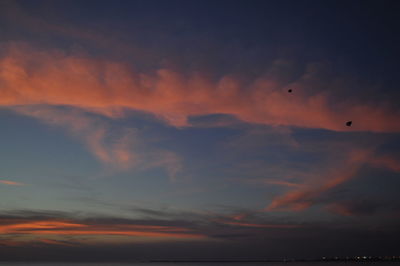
[380,263]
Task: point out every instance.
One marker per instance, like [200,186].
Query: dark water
[206,264]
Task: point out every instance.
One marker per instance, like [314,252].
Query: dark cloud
[356,207]
[226,236]
[310,243]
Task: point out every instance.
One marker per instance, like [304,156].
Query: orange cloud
[55,242]
[10,243]
[280,183]
[30,77]
[239,219]
[20,227]
[243,224]
[308,193]
[11,183]
[60,228]
[340,209]
[303,198]
[114,232]
[239,216]
[36,82]
[387,162]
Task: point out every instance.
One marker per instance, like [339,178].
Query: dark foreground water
[206,264]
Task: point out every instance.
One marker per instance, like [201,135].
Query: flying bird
[348,123]
[290,90]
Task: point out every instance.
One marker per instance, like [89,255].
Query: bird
[348,123]
[290,90]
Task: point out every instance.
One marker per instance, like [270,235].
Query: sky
[135,130]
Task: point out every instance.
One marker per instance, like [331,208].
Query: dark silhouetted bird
[289,90]
[348,123]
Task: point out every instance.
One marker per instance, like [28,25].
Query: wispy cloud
[29,230]
[17,226]
[94,132]
[117,148]
[11,183]
[246,224]
[386,162]
[42,228]
[267,181]
[56,242]
[312,192]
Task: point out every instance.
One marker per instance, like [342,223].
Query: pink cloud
[30,76]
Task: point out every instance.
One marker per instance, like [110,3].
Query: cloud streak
[11,183]
[173,234]
[316,187]
[69,228]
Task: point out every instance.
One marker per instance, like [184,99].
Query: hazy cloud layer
[23,231]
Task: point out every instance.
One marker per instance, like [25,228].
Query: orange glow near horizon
[60,228]
[111,232]
[11,183]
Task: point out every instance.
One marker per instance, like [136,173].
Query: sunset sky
[166,129]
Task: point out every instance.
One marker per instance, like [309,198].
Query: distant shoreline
[327,260]
[356,259]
